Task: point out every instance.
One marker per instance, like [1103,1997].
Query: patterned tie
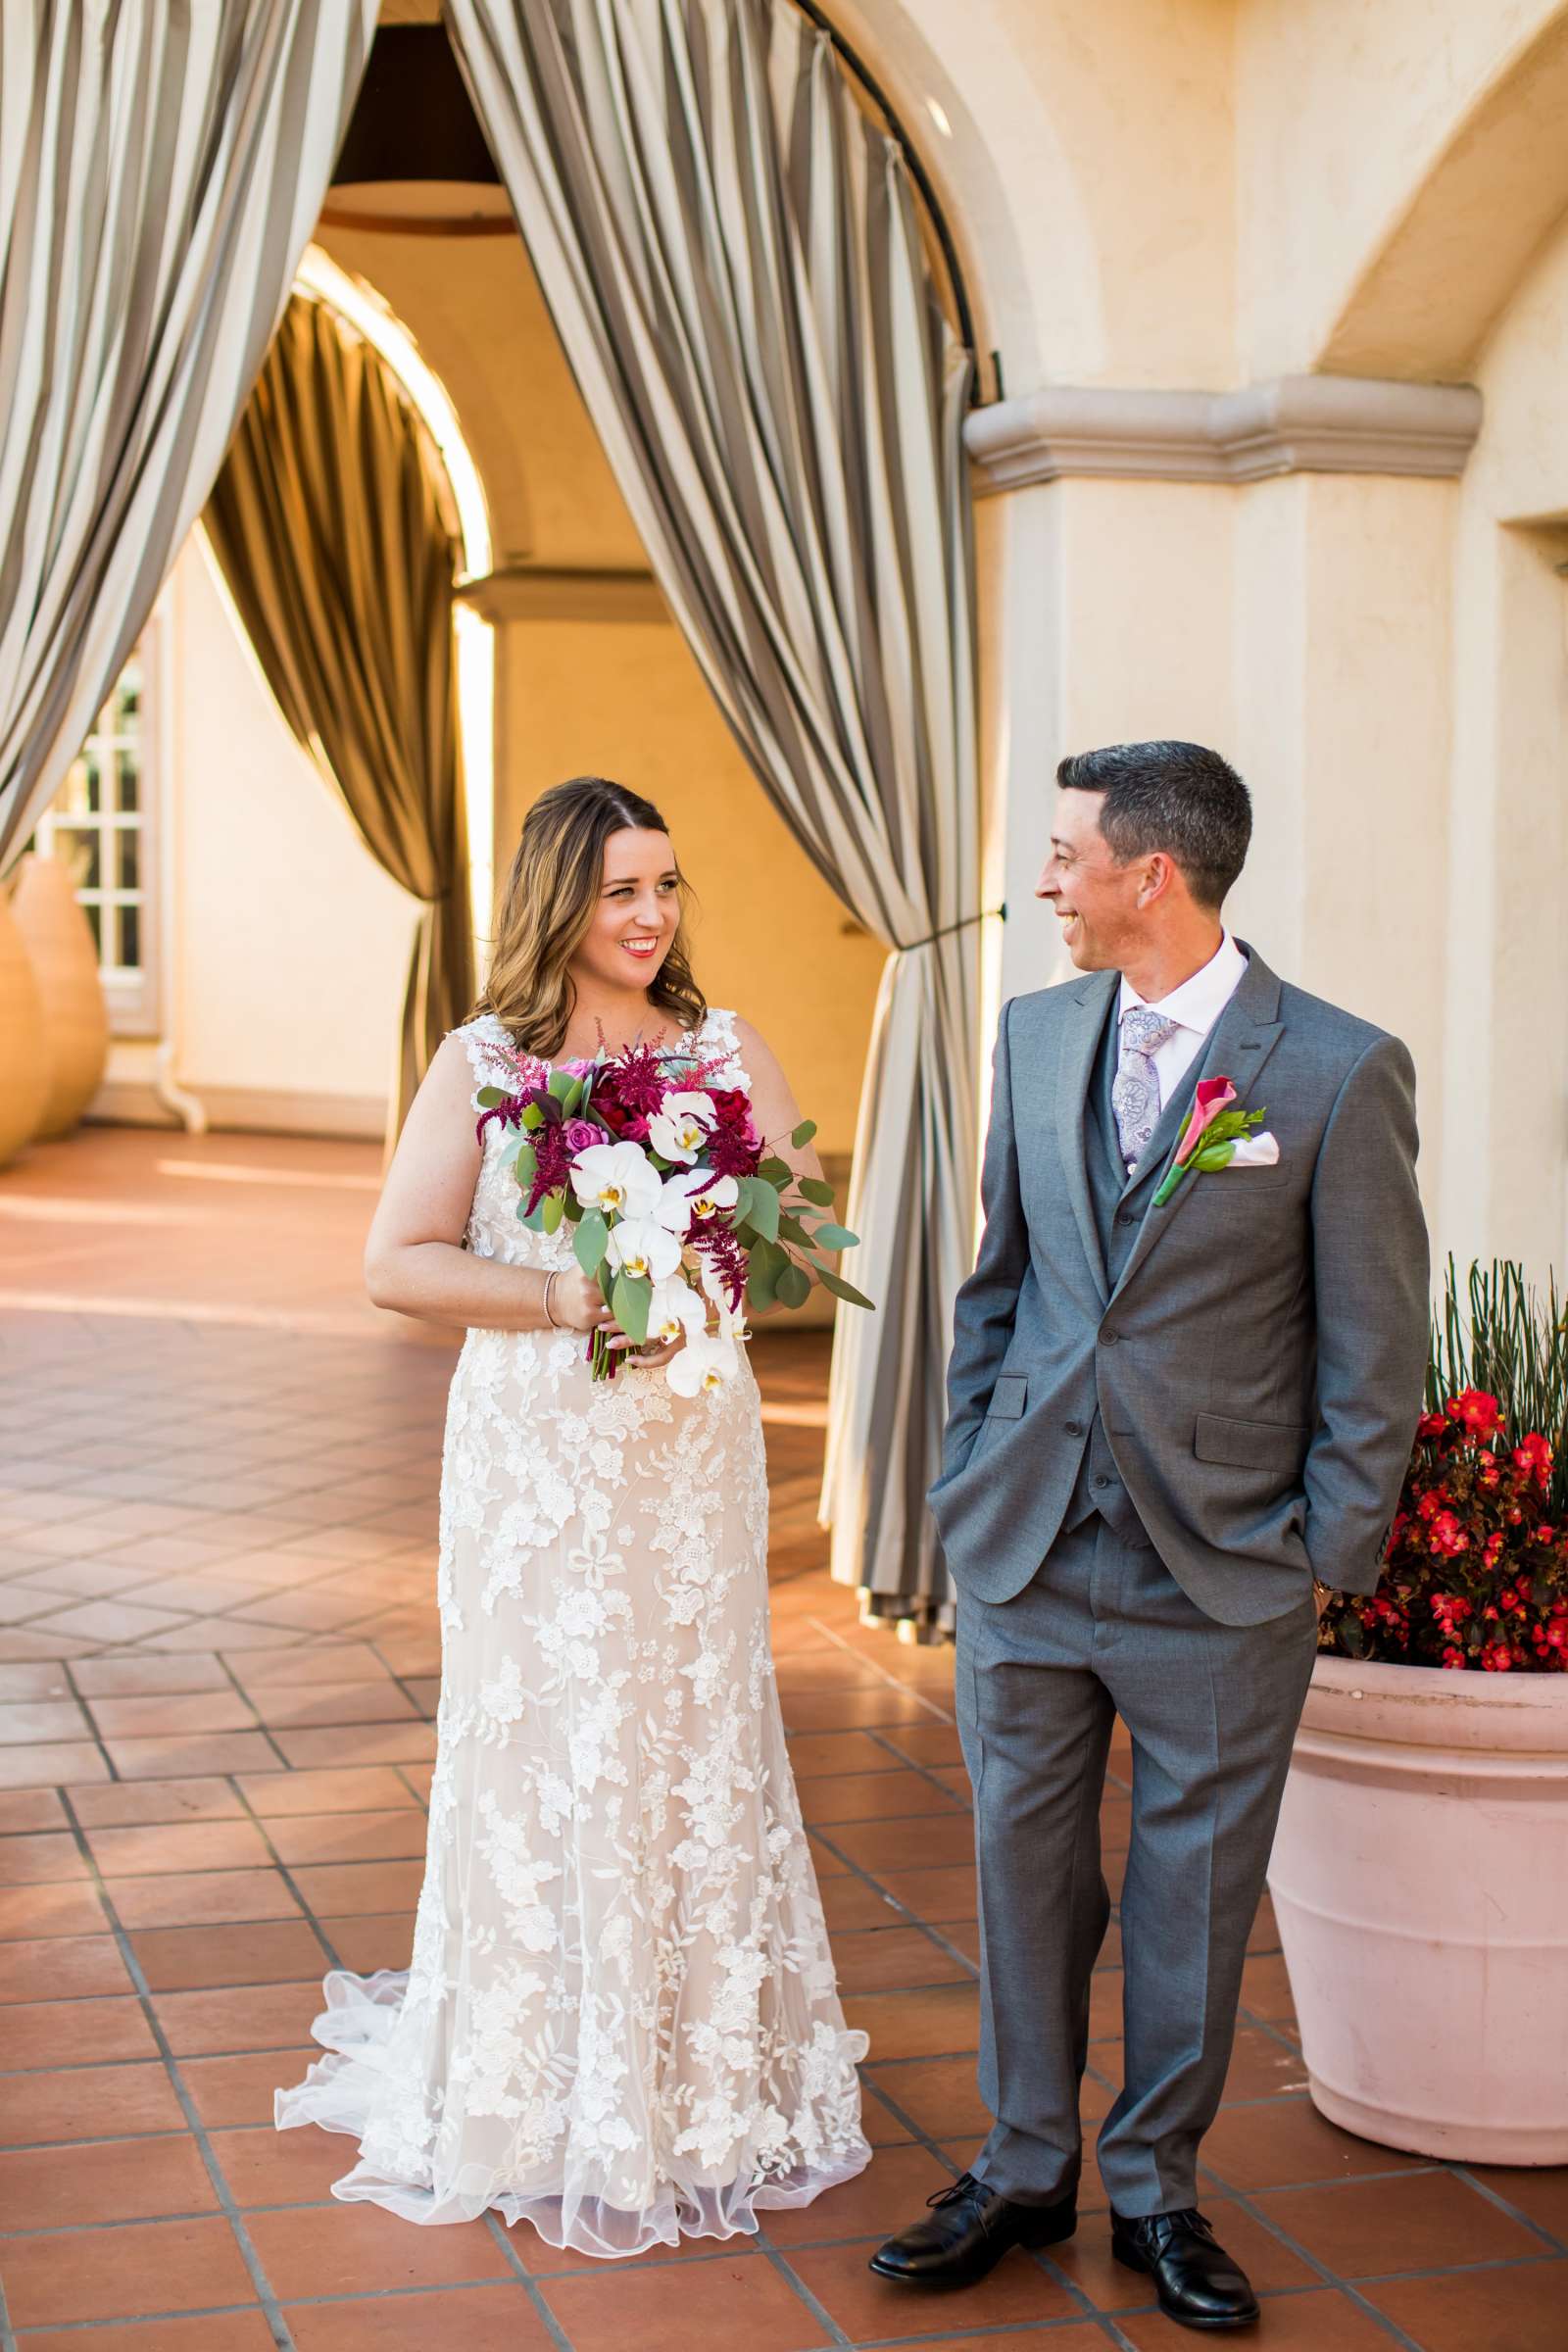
[1135,1096]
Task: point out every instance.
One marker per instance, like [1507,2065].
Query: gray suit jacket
[1259,1366]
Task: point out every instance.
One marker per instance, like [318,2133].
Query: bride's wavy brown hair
[551,895]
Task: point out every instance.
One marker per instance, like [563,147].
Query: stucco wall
[287,944]
[769,938]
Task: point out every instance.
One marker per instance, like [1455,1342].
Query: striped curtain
[733,261]
[162,167]
[327,520]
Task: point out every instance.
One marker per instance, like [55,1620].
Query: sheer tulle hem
[340,2094]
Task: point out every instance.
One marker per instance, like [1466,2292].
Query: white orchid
[681,1129]
[703,1364]
[617,1180]
[695,1192]
[675,1313]
[640,1248]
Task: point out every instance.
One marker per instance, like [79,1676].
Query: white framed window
[101,826]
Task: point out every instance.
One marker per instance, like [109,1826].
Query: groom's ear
[1159,875]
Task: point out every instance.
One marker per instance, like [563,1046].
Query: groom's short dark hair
[1175,797]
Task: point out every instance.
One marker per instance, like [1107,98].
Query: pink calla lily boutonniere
[1214,1136]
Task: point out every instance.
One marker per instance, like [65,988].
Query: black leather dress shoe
[1198,2284]
[970,2229]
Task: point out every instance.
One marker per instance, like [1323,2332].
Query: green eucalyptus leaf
[792,1230]
[533,1117]
[836,1237]
[488,1097]
[553,1209]
[632,1298]
[803,1135]
[760,1294]
[590,1239]
[775,1171]
[845,1291]
[794,1285]
[764,1211]
[817,1191]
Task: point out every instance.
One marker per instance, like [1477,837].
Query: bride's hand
[577,1303]
[644,1359]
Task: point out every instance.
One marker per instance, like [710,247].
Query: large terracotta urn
[65,961]
[24,1047]
[1420,1879]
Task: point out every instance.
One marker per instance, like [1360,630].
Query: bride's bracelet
[549,1318]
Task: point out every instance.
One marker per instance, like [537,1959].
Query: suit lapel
[1238,1045]
[1080,1046]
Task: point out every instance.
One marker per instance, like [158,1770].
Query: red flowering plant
[1476,1569]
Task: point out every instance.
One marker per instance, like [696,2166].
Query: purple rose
[581,1135]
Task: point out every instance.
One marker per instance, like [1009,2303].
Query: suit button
[1101,1480]
[1125,1219]
[1074,1429]
[1108,1339]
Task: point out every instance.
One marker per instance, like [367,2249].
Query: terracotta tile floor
[218,1668]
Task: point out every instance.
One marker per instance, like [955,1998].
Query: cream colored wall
[287,946]
[1344,111]
[1505,1151]
[770,939]
[1086,150]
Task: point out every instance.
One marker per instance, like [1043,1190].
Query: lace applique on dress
[620,2018]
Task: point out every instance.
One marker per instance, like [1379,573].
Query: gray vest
[1120,1205]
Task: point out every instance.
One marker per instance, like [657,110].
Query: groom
[1171,1408]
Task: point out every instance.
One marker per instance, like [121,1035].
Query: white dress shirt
[1195,1006]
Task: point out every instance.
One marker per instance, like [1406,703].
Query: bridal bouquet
[676,1204]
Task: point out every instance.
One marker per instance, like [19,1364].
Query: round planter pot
[65,961]
[1420,1879]
[24,1047]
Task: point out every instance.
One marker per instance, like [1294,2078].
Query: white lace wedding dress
[620,2020]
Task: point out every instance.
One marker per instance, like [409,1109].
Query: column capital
[1289,424]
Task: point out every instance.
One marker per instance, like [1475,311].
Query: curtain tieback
[962,924]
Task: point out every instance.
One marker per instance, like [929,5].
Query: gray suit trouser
[1211,1710]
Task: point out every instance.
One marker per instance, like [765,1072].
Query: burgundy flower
[725,1255]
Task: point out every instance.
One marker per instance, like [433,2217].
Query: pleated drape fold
[328,521]
[162,167]
[732,257]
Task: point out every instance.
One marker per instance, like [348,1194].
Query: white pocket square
[1255,1151]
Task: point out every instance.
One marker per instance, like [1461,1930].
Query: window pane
[128,773]
[94,917]
[78,846]
[130,938]
[90,770]
[127,856]
[127,702]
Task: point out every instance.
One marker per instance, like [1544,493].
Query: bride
[620,2020]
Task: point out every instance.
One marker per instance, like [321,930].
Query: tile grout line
[283,2336]
[884,1673]
[1515,2213]
[532,2287]
[777,2259]
[1345,2286]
